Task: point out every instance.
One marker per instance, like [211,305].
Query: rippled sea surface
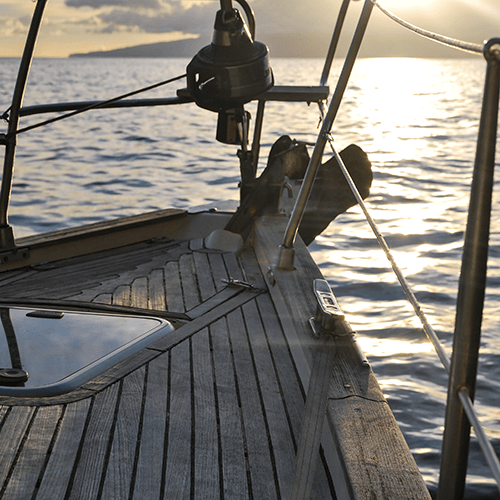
[417,119]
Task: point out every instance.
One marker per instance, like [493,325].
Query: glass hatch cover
[45,352]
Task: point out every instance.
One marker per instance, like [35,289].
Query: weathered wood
[292,296]
[376,456]
[99,273]
[218,270]
[234,481]
[255,425]
[120,467]
[139,293]
[58,472]
[314,419]
[103,298]
[292,391]
[121,369]
[189,283]
[179,451]
[295,286]
[281,441]
[100,236]
[214,301]
[122,295]
[206,481]
[129,222]
[189,329]
[128,267]
[173,287]
[141,357]
[94,448]
[204,274]
[55,246]
[253,272]
[223,405]
[148,481]
[156,290]
[287,162]
[70,397]
[3,414]
[12,276]
[11,438]
[33,454]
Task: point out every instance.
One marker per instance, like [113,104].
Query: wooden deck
[211,410]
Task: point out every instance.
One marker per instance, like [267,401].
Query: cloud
[9,26]
[96,4]
[178,18]
[464,19]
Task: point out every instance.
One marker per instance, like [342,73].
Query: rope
[450,42]
[97,105]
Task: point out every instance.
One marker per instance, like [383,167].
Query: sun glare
[400,101]
[390,347]
[398,7]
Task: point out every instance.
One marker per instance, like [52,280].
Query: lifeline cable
[429,331]
[450,42]
[98,104]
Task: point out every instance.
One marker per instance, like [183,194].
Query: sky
[72,26]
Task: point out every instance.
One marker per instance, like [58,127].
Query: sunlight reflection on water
[417,120]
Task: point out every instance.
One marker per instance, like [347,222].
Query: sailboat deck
[212,410]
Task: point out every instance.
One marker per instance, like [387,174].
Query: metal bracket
[242,284]
[328,310]
[327,315]
[14,255]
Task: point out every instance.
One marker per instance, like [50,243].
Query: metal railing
[460,412]
[471,292]
[6,233]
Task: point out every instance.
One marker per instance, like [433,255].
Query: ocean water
[416,119]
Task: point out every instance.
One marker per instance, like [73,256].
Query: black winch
[231,71]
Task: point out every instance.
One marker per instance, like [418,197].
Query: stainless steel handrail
[484,442]
[334,42]
[6,233]
[38,109]
[287,252]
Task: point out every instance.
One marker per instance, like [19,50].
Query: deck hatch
[61,350]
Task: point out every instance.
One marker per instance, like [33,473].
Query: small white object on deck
[220,239]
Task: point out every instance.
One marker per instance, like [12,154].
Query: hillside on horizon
[304,45]
[288,45]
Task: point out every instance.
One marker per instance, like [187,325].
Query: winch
[231,71]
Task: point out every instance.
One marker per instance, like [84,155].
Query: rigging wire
[429,331]
[98,104]
[450,42]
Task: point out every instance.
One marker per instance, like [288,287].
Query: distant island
[178,48]
[303,45]
[285,45]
